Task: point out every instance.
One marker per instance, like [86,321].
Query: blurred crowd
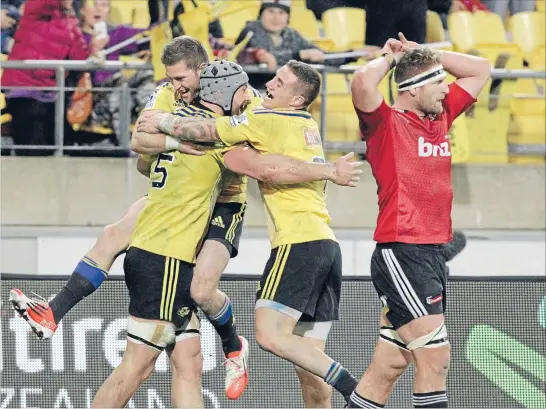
[82,29]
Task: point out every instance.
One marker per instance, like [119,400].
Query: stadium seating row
[507,111]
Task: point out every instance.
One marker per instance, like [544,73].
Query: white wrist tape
[171,144]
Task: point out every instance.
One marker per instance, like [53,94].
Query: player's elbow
[485,68]
[363,83]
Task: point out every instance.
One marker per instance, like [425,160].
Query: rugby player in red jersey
[409,152]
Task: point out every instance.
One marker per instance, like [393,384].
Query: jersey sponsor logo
[427,149]
[237,120]
[312,136]
[218,222]
[435,299]
[184,311]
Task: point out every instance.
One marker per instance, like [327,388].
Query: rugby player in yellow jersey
[158,265]
[184,58]
[298,295]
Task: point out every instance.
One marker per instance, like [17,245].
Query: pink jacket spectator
[474,5]
[45,32]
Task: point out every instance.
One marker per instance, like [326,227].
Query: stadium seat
[488,122]
[538,60]
[480,33]
[159,36]
[346,26]
[298,4]
[528,32]
[528,128]
[234,16]
[141,16]
[435,28]
[304,21]
[122,12]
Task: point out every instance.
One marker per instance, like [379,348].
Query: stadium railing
[62,66]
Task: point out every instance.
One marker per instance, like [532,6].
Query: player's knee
[265,343]
[389,369]
[434,361]
[201,291]
[189,368]
[112,239]
[139,369]
[266,339]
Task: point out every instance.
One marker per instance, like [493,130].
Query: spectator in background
[444,7]
[11,11]
[502,7]
[386,18]
[472,5]
[48,30]
[215,28]
[159,10]
[106,104]
[274,43]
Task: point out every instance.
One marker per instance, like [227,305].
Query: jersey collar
[300,112]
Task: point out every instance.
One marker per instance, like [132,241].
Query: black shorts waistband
[398,245]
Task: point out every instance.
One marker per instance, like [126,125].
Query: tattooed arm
[189,129]
[183,129]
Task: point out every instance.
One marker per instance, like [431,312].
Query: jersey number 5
[162,170]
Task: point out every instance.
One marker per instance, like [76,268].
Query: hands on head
[397,48]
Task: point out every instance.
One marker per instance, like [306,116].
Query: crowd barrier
[61,67]
[495,325]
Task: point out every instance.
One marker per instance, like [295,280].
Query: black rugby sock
[85,279]
[430,400]
[224,324]
[358,401]
[341,379]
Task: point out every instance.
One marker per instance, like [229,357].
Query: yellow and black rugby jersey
[182,193]
[296,213]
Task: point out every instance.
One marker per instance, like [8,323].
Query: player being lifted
[183,58]
[159,263]
[409,153]
[298,295]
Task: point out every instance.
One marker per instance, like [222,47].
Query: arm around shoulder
[281,169]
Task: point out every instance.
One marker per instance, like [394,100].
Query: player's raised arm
[366,96]
[280,169]
[471,72]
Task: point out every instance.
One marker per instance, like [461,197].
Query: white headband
[436,73]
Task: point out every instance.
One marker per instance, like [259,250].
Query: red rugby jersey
[411,162]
